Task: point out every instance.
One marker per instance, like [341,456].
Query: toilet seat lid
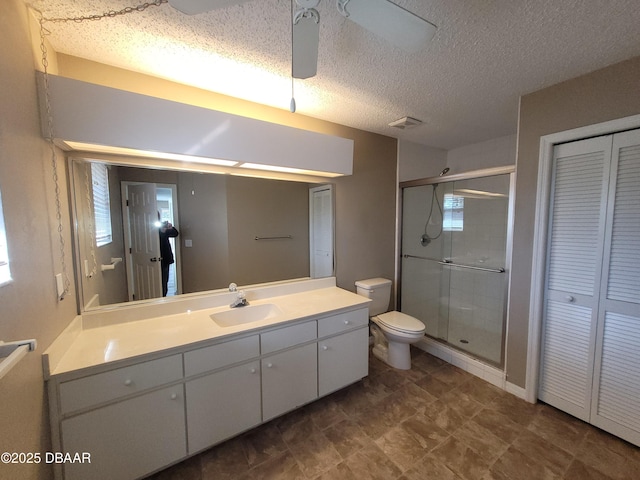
[401,321]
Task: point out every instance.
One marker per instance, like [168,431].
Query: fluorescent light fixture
[131,152]
[300,171]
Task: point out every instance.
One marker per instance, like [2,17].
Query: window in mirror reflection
[101,206]
[5,273]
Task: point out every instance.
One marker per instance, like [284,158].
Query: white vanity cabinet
[342,357]
[128,437]
[147,414]
[228,401]
[289,377]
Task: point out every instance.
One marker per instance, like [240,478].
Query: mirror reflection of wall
[218,217]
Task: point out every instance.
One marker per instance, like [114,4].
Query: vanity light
[89,147]
[273,168]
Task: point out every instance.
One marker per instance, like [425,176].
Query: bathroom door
[145,242]
[321,231]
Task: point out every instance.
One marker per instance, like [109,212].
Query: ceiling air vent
[406,122]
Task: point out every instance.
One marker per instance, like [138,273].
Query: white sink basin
[248,314]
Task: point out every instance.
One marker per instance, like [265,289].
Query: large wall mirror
[230,229]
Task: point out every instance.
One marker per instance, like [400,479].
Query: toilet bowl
[392,332]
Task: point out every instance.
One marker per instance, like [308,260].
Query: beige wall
[600,96]
[28,306]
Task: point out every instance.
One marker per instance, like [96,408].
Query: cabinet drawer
[102,387]
[221,355]
[343,321]
[288,337]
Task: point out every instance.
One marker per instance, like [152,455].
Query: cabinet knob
[269,365]
[570,298]
[174,396]
[128,382]
[253,370]
[346,322]
[324,347]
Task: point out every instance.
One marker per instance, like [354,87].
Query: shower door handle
[449,263]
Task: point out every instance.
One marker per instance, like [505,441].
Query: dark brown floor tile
[461,459]
[514,408]
[425,362]
[262,443]
[338,472]
[579,471]
[480,390]
[434,386]
[554,458]
[451,375]
[425,431]
[596,452]
[461,402]
[483,441]
[282,467]
[325,413]
[559,428]
[372,463]
[315,455]
[226,461]
[429,468]
[401,447]
[190,469]
[415,397]
[389,412]
[515,465]
[626,449]
[445,417]
[498,424]
[347,437]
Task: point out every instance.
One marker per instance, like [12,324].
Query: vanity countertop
[99,345]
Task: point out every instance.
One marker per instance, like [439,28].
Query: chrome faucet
[233,287]
[240,301]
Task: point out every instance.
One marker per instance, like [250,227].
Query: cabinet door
[289,380]
[342,360]
[574,259]
[128,439]
[222,405]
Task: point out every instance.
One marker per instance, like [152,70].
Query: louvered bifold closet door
[616,388]
[574,265]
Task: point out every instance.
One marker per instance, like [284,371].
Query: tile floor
[434,421]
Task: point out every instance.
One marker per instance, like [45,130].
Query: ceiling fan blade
[306,36]
[193,7]
[385,19]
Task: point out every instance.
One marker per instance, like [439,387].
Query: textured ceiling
[464,86]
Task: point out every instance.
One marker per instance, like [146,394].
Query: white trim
[519,392]
[538,270]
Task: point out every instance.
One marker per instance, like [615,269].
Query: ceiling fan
[384,18]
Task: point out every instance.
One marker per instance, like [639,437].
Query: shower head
[444,172]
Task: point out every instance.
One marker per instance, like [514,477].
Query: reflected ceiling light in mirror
[93,148]
[300,171]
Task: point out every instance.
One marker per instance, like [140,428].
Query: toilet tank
[378,290]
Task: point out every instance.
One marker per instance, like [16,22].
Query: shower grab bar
[460,265]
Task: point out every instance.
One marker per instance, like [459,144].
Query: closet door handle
[570,298]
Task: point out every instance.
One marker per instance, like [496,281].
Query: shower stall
[455,252]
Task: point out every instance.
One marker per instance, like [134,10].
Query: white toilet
[392,332]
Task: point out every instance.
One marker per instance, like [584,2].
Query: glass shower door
[454,240]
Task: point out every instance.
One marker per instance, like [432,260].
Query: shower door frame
[468,175]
